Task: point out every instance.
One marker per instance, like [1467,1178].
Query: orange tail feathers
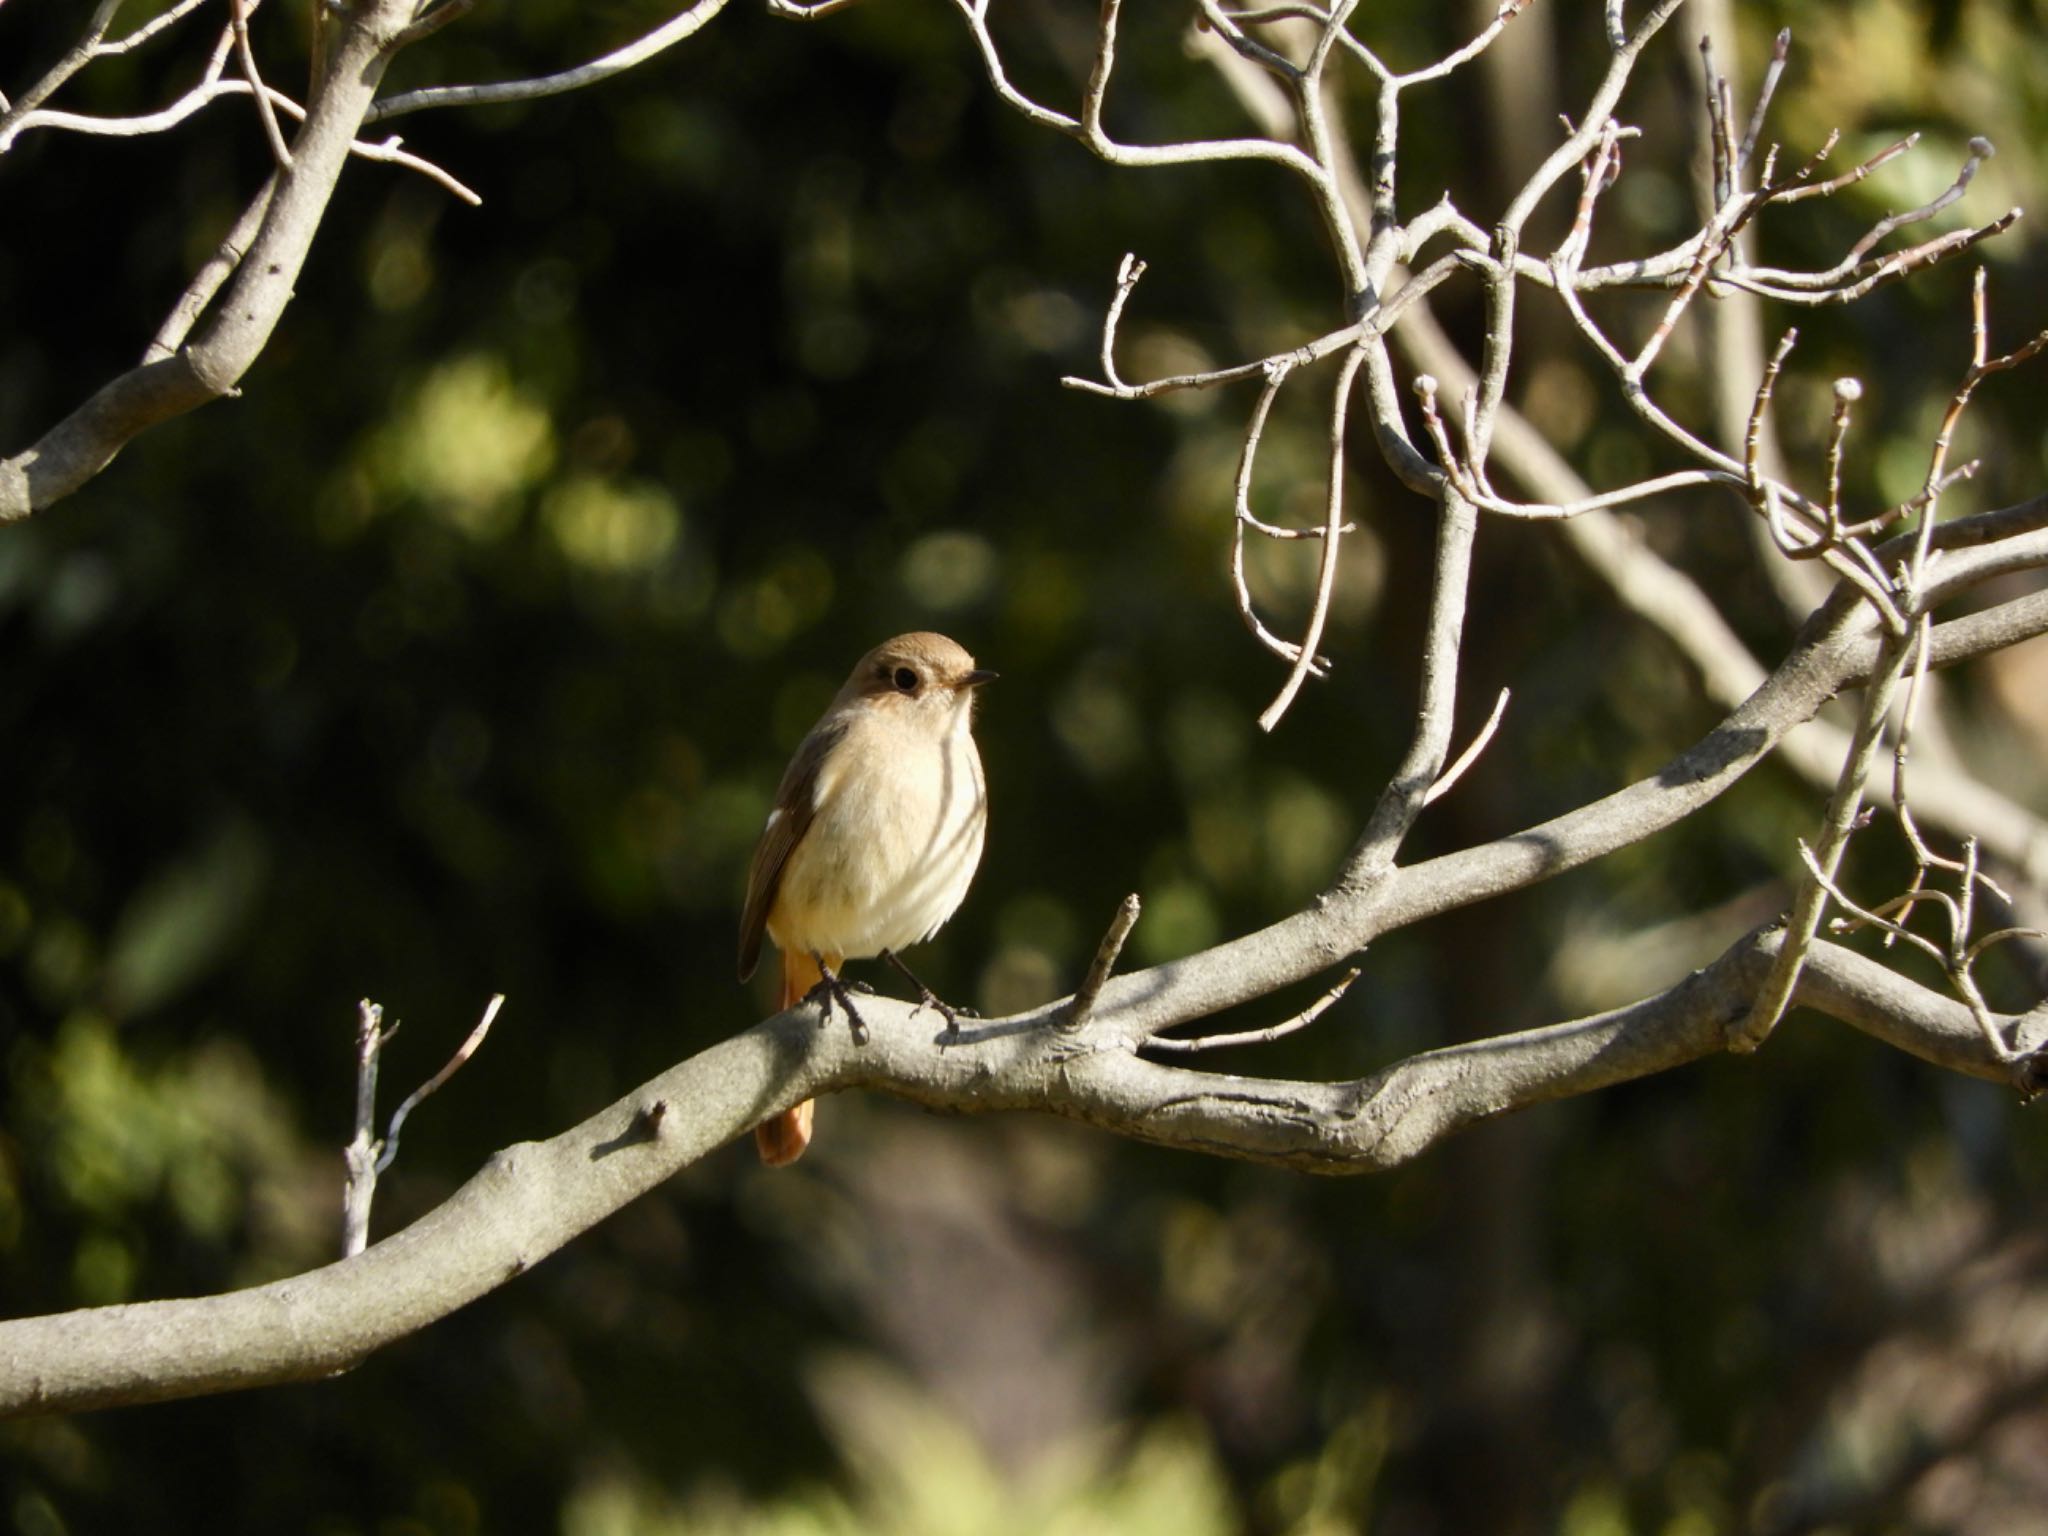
[781,1141]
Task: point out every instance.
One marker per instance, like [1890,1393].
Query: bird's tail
[781,1140]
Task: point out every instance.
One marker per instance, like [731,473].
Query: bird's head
[922,678]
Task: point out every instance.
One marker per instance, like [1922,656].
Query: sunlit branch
[675,30]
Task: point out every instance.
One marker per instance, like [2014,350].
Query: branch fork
[367,1156]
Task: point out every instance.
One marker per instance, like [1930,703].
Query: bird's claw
[945,1010]
[831,992]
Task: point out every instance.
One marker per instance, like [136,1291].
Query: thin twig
[1865,917]
[1195,1044]
[1459,57]
[205,95]
[1720,134]
[151,28]
[1848,178]
[1508,232]
[454,1064]
[1429,746]
[1470,755]
[1902,746]
[365,1156]
[1128,271]
[1981,149]
[1112,945]
[1333,527]
[1780,48]
[359,1188]
[390,154]
[1089,128]
[1775,995]
[432,22]
[1848,281]
[1847,393]
[675,30]
[1642,490]
[1600,173]
[1308,352]
[2001,936]
[1243,518]
[1227,26]
[1439,434]
[76,57]
[1752,439]
[806,10]
[238,12]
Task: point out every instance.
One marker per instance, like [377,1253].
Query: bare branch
[676,29]
[366,1157]
[1225,25]
[138,126]
[806,10]
[1243,518]
[1861,916]
[531,1199]
[1333,529]
[389,153]
[1641,490]
[359,1188]
[1128,271]
[1106,954]
[1781,47]
[433,21]
[210,366]
[1848,178]
[76,57]
[1671,601]
[1195,1044]
[1308,352]
[454,1064]
[1981,149]
[1084,1058]
[1470,755]
[1407,792]
[1847,392]
[1507,233]
[1458,58]
[152,28]
[1899,648]
[239,10]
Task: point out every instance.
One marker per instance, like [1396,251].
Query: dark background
[461,654]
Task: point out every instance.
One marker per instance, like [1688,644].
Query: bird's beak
[979,676]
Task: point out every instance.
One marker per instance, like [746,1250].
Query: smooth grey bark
[533,1198]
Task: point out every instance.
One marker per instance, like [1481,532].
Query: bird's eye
[905,680]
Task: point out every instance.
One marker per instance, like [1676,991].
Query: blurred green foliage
[461,654]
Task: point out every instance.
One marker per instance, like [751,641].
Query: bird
[875,835]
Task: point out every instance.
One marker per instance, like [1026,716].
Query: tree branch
[532,1198]
[1667,598]
[675,30]
[209,367]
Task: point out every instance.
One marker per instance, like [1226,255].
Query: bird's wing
[796,802]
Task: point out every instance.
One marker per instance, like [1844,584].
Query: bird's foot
[831,992]
[927,998]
